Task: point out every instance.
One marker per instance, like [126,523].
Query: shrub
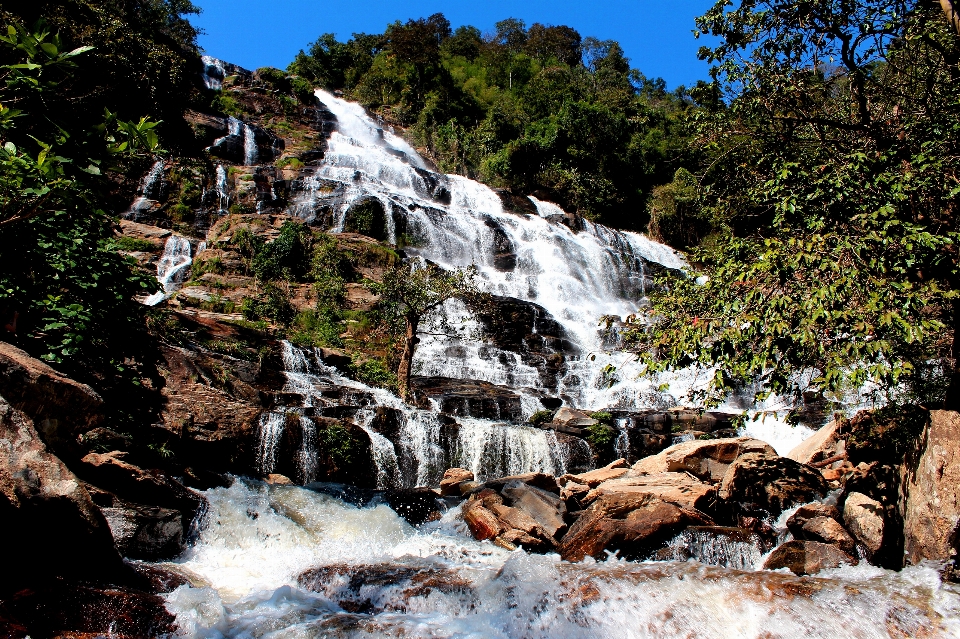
[132,244]
[289,163]
[317,328]
[541,417]
[374,372]
[602,417]
[272,303]
[287,257]
[600,435]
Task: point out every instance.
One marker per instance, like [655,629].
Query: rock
[825,530]
[489,517]
[807,557]
[452,479]
[676,488]
[542,506]
[416,505]
[336,358]
[276,479]
[574,491]
[60,408]
[707,460]
[50,527]
[634,524]
[809,511]
[482,522]
[572,418]
[864,518]
[932,519]
[539,480]
[772,483]
[469,398]
[72,610]
[595,477]
[112,472]
[145,532]
[824,444]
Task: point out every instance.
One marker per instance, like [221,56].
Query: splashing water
[172,267]
[375,576]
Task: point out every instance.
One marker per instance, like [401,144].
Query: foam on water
[172,268]
[385,578]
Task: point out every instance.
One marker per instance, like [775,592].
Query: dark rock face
[145,532]
[50,525]
[807,557]
[513,203]
[772,483]
[60,408]
[469,398]
[635,524]
[367,217]
[416,505]
[233,146]
[64,609]
[319,448]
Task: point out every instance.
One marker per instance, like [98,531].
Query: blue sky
[656,34]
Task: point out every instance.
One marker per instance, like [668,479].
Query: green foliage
[602,417]
[289,163]
[338,443]
[327,268]
[317,328]
[287,257]
[367,218]
[272,303]
[226,104]
[536,109]
[209,265]
[541,417]
[374,372]
[133,244]
[835,190]
[675,215]
[600,435]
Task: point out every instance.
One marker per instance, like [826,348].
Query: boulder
[772,483]
[593,478]
[452,479]
[509,526]
[677,488]
[807,557]
[815,509]
[542,506]
[707,460]
[113,473]
[468,398]
[864,518]
[539,480]
[60,408]
[823,529]
[824,444]
[633,524]
[50,525]
[571,417]
[932,520]
[416,505]
[145,532]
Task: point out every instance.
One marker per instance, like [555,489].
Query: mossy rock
[367,217]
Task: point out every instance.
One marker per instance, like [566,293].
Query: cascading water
[147,192]
[172,267]
[363,572]
[223,192]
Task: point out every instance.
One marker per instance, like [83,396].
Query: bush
[602,417]
[318,328]
[541,417]
[374,372]
[288,257]
[600,435]
[338,443]
[272,304]
[302,90]
[132,244]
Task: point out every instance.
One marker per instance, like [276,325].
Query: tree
[412,297]
[833,185]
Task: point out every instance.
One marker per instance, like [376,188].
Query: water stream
[173,267]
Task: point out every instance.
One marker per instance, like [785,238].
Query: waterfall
[213,72]
[269,432]
[249,145]
[492,450]
[147,192]
[716,549]
[223,191]
[172,268]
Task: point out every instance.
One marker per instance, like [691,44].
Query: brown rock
[635,524]
[483,524]
[932,519]
[542,506]
[571,417]
[59,407]
[276,479]
[823,444]
[826,530]
[864,518]
[707,460]
[519,520]
[773,483]
[452,478]
[50,525]
[593,478]
[809,511]
[573,490]
[807,557]
[677,488]
[538,480]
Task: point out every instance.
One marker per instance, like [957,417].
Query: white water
[145,192]
[578,277]
[223,191]
[213,72]
[172,268]
[438,582]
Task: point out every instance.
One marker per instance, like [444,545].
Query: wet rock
[159,580]
[677,488]
[571,417]
[65,609]
[145,532]
[483,523]
[825,530]
[59,408]
[416,505]
[826,443]
[544,507]
[932,519]
[807,557]
[538,480]
[773,483]
[864,518]
[816,509]
[593,478]
[335,357]
[50,525]
[489,517]
[469,398]
[513,203]
[634,524]
[452,479]
[707,460]
[276,479]
[112,472]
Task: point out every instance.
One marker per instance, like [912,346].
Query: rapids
[364,572]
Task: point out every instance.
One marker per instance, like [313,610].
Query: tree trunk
[951,12]
[410,341]
[952,400]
